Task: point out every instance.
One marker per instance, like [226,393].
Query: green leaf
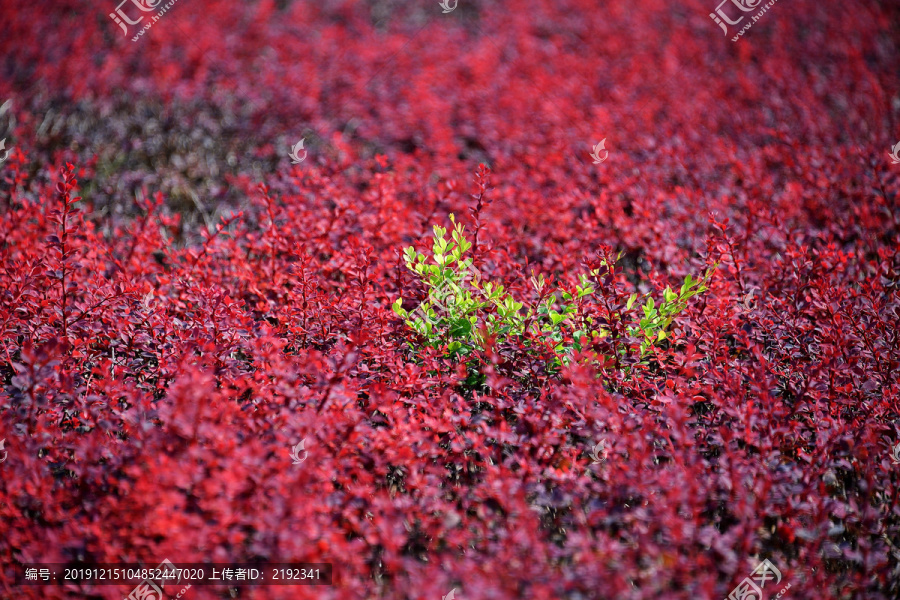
[461,328]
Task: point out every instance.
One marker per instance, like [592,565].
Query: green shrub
[462,311]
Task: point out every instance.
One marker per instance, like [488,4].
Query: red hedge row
[169,328]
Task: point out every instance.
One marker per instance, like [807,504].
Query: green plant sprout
[455,311]
[461,310]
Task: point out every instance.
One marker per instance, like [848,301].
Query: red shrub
[166,338]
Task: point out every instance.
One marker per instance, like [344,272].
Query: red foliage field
[180,305]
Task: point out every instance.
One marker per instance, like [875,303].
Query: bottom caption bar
[155,579]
